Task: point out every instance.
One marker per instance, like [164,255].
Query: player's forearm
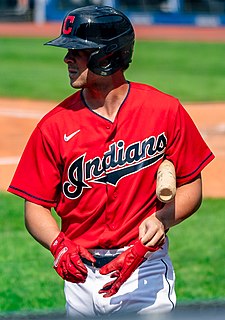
[40,223]
[188,199]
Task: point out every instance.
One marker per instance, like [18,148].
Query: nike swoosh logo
[67,138]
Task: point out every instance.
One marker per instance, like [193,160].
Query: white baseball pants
[149,289]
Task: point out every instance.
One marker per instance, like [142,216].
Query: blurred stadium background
[191,12]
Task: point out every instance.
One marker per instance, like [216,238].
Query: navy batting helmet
[105,30]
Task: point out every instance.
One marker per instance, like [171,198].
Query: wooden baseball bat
[166,181]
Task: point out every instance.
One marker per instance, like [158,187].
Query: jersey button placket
[113,226]
[115,194]
[112,193]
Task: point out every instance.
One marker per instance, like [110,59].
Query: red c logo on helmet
[68,24]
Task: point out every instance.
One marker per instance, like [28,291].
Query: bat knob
[166,194]
[166,182]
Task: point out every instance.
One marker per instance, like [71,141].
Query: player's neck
[106,100]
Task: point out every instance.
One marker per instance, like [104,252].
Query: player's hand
[152,231]
[68,262]
[123,266]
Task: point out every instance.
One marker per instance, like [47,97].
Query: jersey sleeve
[186,148]
[37,177]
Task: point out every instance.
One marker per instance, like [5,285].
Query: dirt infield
[160,32]
[18,117]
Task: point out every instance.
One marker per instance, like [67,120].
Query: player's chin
[73,77]
[76,84]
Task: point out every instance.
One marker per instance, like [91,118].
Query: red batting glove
[123,266]
[67,259]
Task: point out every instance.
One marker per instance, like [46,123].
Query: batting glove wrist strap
[123,266]
[67,261]
[141,249]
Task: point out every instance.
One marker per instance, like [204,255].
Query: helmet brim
[73,43]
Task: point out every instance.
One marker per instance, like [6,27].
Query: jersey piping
[97,114]
[200,165]
[30,195]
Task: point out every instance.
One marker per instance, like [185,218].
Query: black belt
[100,261]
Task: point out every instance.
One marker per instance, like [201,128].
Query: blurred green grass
[197,252]
[189,71]
[28,281]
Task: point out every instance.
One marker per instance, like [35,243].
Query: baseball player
[94,159]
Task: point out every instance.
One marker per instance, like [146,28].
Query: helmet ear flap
[103,63]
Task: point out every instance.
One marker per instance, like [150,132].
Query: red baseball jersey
[100,176]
